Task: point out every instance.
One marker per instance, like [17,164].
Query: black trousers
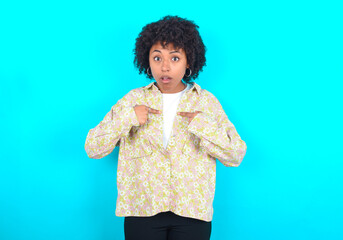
[166,226]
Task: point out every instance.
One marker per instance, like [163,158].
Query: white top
[170,103]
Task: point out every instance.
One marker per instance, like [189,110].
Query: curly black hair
[181,33]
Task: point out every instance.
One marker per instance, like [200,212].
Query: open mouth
[165,79]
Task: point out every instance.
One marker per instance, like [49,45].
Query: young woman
[170,134]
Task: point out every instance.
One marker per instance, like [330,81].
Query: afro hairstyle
[181,33]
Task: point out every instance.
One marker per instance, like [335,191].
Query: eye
[177,59]
[156,58]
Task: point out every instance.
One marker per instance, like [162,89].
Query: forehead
[168,47]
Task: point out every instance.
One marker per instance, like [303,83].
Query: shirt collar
[154,87]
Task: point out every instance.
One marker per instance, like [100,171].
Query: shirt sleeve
[218,136]
[117,123]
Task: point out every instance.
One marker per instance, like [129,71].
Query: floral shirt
[180,178]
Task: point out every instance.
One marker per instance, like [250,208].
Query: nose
[165,65]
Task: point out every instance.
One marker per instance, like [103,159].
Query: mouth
[165,79]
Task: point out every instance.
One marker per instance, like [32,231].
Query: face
[168,66]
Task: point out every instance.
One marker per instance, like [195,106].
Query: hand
[142,112]
[190,115]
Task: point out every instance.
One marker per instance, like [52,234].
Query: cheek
[181,69]
[152,66]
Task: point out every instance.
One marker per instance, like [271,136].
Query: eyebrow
[169,53]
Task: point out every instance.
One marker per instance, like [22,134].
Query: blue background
[275,66]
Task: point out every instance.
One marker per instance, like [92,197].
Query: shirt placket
[176,141]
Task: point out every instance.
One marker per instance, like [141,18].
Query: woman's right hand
[142,112]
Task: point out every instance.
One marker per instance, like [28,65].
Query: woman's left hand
[190,115]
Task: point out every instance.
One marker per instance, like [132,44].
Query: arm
[117,123]
[219,137]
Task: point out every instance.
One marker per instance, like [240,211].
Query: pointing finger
[185,114]
[151,110]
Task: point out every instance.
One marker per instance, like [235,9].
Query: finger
[151,110]
[185,114]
